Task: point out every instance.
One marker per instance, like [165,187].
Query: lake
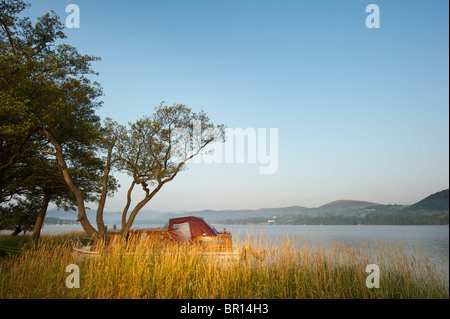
[429,237]
[433,239]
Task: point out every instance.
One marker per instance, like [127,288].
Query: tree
[150,152]
[51,187]
[43,183]
[47,100]
[45,88]
[15,129]
[18,216]
[155,149]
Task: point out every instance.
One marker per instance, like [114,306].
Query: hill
[436,202]
[345,205]
[433,209]
[232,216]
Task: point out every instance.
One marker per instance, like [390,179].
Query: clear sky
[361,113]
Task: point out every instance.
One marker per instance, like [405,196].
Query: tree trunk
[16,231]
[126,226]
[137,208]
[140,205]
[40,220]
[82,218]
[101,204]
[125,210]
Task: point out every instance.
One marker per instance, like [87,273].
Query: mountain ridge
[346,203]
[436,203]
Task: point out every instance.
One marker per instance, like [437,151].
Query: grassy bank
[290,270]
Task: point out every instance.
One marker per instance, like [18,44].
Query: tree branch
[127,206]
[49,152]
[9,35]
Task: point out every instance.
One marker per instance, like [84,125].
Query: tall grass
[289,270]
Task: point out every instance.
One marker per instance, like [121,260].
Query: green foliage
[48,112]
[150,152]
[436,202]
[45,86]
[146,150]
[19,215]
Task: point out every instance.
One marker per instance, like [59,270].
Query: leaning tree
[155,149]
[48,105]
[45,94]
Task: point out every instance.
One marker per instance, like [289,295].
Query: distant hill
[345,205]
[436,202]
[433,209]
[223,216]
[111,218]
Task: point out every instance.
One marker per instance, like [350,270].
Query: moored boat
[178,231]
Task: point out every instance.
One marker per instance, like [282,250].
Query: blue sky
[361,113]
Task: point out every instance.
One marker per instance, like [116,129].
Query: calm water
[434,239]
[431,238]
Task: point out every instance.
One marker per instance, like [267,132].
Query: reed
[289,270]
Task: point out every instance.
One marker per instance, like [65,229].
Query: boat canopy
[188,228]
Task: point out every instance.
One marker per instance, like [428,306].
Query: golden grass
[289,270]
